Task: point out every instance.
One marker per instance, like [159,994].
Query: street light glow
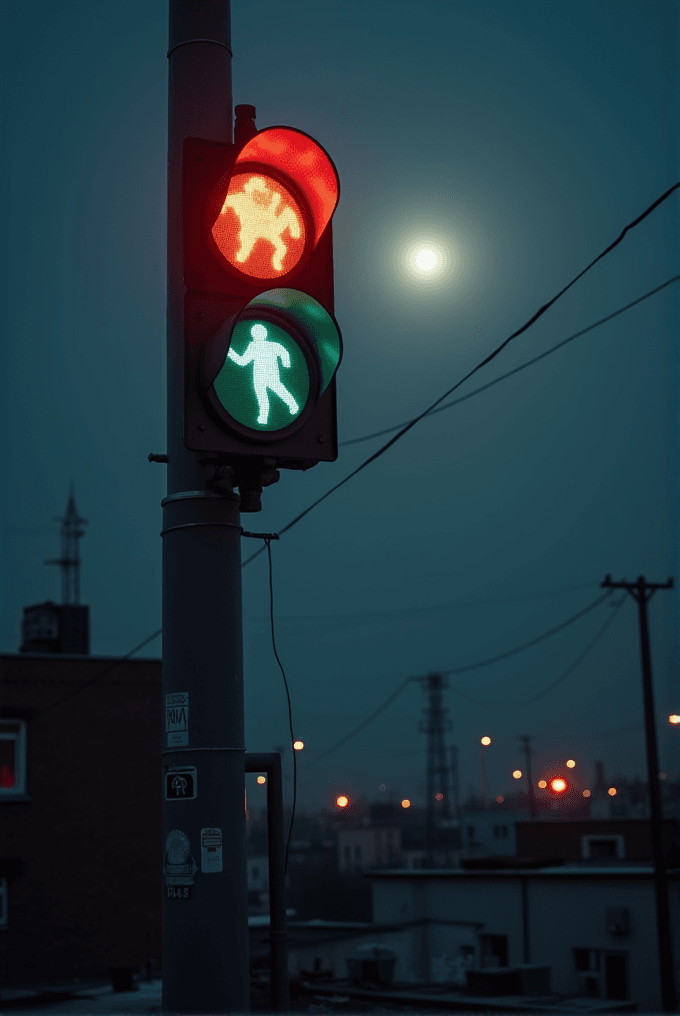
[261,780]
[542,784]
[612,791]
[674,718]
[586,793]
[571,763]
[406,803]
[517,775]
[342,801]
[486,739]
[298,745]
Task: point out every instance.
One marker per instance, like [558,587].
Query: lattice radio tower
[435,725]
[69,561]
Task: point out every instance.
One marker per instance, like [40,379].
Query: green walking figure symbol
[264,356]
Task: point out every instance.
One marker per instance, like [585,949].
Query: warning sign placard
[177,718]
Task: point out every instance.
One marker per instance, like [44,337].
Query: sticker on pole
[181,784]
[211,850]
[180,867]
[177,718]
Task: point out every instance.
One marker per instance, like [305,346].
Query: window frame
[18,791]
[4,907]
[589,838]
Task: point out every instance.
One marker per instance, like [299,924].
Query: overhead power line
[404,430]
[103,673]
[483,663]
[545,691]
[526,645]
[523,366]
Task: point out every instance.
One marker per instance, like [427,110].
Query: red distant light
[342,801]
[558,784]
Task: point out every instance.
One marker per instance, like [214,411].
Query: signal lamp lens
[674,718]
[500,799]
[586,793]
[571,763]
[612,791]
[406,803]
[260,230]
[298,745]
[261,780]
[542,784]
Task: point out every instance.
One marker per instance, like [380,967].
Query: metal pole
[204,909]
[642,591]
[270,763]
[663,922]
[526,739]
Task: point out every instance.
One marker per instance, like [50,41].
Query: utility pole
[204,909]
[643,591]
[528,752]
[434,725]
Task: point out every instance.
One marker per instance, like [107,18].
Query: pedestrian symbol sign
[264,381]
[181,784]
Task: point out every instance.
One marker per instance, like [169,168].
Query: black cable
[404,430]
[572,666]
[108,670]
[267,540]
[365,723]
[529,363]
[533,642]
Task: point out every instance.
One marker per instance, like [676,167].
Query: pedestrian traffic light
[262,344]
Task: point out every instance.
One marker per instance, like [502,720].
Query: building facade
[80,802]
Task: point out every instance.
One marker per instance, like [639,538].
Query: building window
[357,853]
[494,950]
[255,872]
[587,959]
[3,903]
[599,848]
[347,853]
[12,758]
[500,832]
[471,832]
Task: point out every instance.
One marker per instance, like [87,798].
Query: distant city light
[517,775]
[261,780]
[500,799]
[542,784]
[586,793]
[298,745]
[406,803]
[612,791]
[558,784]
[571,763]
[674,718]
[342,801]
[439,796]
[486,739]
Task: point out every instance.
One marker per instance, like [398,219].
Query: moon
[426,259]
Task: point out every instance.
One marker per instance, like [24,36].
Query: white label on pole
[177,718]
[211,850]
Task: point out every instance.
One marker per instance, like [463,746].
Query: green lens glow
[264,380]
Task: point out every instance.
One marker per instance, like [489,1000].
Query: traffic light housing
[261,342]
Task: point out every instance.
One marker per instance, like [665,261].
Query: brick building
[80,810]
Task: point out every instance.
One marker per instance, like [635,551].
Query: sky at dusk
[516,139]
